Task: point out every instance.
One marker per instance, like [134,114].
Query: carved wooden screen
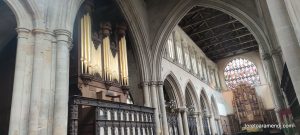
[247,105]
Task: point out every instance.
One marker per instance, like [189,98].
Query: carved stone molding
[182,109]
[160,83]
[266,56]
[142,84]
[23,32]
[64,36]
[276,51]
[153,83]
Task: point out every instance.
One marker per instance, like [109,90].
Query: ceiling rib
[226,23]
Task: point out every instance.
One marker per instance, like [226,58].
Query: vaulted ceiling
[219,35]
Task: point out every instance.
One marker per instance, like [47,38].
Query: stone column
[287,40]
[22,84]
[145,86]
[201,124]
[163,108]
[196,115]
[274,84]
[41,83]
[217,123]
[155,106]
[62,82]
[276,56]
[209,124]
[180,125]
[185,121]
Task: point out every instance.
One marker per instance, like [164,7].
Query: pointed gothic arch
[176,14]
[191,96]
[173,90]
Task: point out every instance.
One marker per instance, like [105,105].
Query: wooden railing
[97,117]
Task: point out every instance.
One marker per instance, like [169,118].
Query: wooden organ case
[247,105]
[99,66]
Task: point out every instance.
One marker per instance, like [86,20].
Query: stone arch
[173,90]
[204,97]
[22,14]
[8,54]
[181,9]
[191,94]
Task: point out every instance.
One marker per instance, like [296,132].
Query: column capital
[266,56]
[276,51]
[63,36]
[182,109]
[144,83]
[153,83]
[160,83]
[23,32]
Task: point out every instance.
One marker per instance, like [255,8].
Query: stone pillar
[287,40]
[155,106]
[196,115]
[201,124]
[145,86]
[185,121]
[209,124]
[163,108]
[218,125]
[22,84]
[180,125]
[41,83]
[274,84]
[62,82]
[276,56]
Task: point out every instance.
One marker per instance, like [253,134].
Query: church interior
[149,67]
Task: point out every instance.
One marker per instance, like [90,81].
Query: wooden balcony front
[89,116]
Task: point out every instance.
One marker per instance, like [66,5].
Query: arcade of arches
[149,67]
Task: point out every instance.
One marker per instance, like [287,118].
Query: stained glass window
[240,71]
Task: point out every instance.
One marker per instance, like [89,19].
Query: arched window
[194,64]
[239,71]
[187,57]
[170,44]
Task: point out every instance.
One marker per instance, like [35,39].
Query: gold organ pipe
[84,53]
[126,62]
[121,60]
[106,57]
[85,45]
[89,42]
[81,45]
